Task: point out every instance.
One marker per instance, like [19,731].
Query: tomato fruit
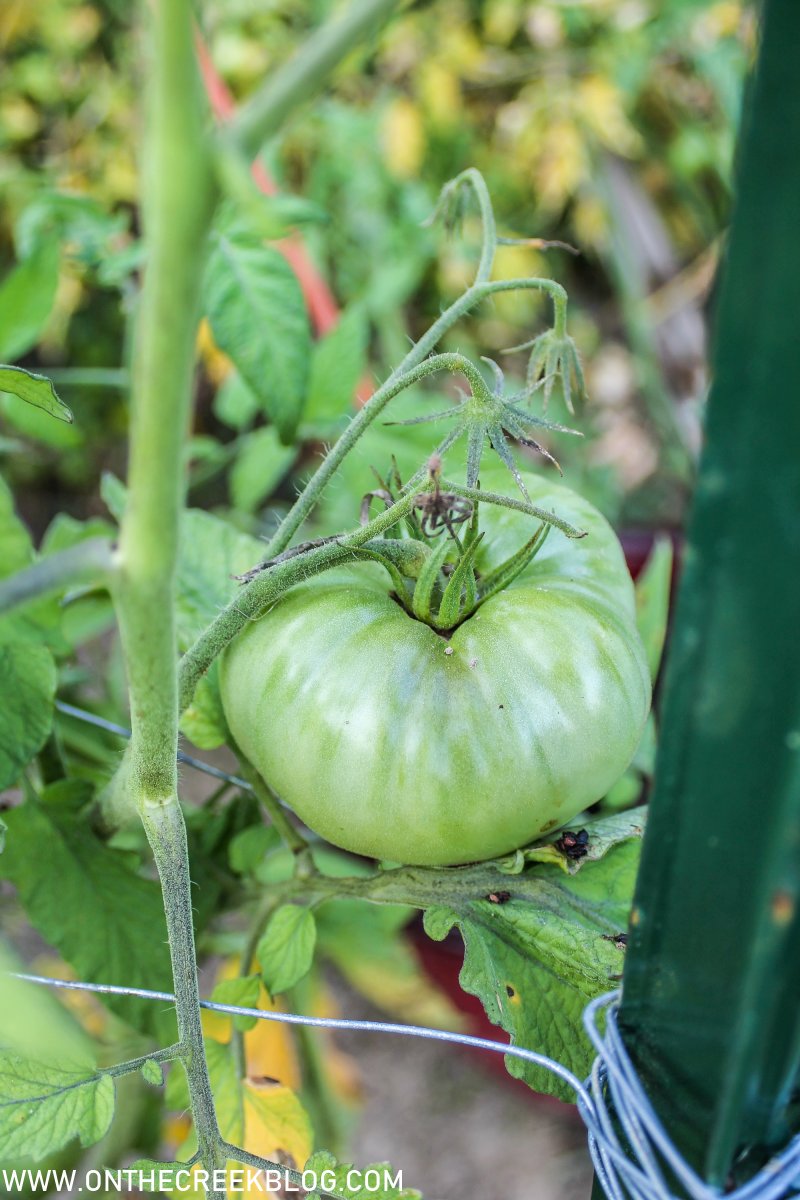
[395,742]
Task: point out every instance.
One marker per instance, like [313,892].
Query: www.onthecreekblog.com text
[247,1180]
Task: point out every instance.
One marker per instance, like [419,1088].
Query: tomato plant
[399,741]
[442,685]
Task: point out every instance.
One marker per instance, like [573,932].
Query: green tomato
[395,742]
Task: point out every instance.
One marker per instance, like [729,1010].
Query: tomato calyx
[448,589]
[486,414]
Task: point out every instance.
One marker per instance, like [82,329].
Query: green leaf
[242,992]
[34,389]
[16,548]
[203,722]
[82,225]
[152,1072]
[604,833]
[286,949]
[258,317]
[355,1183]
[44,1107]
[165,1177]
[234,403]
[652,601]
[106,920]
[535,966]
[65,531]
[211,553]
[27,691]
[27,670]
[251,847]
[260,465]
[113,493]
[337,364]
[27,295]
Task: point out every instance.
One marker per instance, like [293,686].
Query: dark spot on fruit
[501,706]
[510,991]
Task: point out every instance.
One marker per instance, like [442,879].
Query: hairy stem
[256,596]
[531,510]
[472,178]
[168,1054]
[402,377]
[177,204]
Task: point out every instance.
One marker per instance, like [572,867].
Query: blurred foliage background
[608,124]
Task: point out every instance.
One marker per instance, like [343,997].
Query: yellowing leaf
[403,138]
[217,365]
[562,165]
[440,94]
[459,48]
[601,106]
[590,222]
[275,1120]
[501,20]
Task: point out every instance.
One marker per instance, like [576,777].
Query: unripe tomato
[395,742]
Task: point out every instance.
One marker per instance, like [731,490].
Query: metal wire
[89,718]
[629,1147]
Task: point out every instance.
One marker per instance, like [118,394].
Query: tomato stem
[415,366]
[266,587]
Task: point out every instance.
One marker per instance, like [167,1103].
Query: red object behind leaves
[322,307]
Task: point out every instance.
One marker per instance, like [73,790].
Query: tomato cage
[694,1091]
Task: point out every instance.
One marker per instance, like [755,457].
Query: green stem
[263,115]
[473,178]
[81,563]
[256,596]
[177,206]
[429,887]
[290,835]
[103,377]
[531,510]
[166,832]
[168,1054]
[412,368]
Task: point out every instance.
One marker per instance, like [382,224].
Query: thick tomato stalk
[393,741]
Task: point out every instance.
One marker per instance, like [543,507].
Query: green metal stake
[712,982]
